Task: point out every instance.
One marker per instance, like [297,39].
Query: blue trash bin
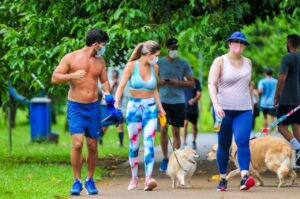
[40,118]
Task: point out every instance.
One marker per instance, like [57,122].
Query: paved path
[115,186]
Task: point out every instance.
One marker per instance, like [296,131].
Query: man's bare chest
[90,67]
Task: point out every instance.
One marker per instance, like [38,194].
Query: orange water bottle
[217,124]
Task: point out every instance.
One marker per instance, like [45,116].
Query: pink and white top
[233,86]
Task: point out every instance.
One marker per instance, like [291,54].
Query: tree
[34,35]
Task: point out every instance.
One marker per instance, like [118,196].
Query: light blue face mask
[101,51]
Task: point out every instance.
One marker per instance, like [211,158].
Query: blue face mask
[101,51]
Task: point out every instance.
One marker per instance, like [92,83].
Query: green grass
[43,170]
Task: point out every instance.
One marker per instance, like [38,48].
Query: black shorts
[269,111]
[175,114]
[292,119]
[192,115]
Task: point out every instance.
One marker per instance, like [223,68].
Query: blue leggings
[238,123]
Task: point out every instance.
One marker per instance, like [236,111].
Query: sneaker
[194,145]
[150,184]
[76,188]
[90,187]
[164,165]
[247,182]
[222,186]
[133,184]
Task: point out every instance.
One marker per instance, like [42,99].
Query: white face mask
[101,51]
[154,60]
[173,53]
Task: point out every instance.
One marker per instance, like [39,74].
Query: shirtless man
[82,69]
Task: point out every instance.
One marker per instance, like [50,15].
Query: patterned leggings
[141,117]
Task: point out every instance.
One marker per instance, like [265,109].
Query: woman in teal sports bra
[141,116]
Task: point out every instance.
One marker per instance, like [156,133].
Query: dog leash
[163,121]
[273,124]
[175,154]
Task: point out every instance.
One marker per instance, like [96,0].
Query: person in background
[172,71]
[114,85]
[255,103]
[266,89]
[192,96]
[287,95]
[142,109]
[82,69]
[229,85]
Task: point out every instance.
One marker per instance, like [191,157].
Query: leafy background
[34,35]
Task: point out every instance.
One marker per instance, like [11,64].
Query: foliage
[34,35]
[268,42]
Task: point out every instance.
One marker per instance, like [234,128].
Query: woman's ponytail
[137,52]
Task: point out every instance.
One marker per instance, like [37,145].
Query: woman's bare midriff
[141,94]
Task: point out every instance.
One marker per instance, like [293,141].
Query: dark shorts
[292,119]
[269,111]
[84,118]
[191,115]
[175,114]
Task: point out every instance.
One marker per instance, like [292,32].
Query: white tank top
[233,86]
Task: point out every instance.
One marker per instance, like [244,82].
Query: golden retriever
[182,167]
[267,153]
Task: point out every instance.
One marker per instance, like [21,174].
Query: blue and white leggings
[239,124]
[141,118]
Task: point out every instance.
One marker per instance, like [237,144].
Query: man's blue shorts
[84,118]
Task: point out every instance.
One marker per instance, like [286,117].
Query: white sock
[244,172]
[223,176]
[294,142]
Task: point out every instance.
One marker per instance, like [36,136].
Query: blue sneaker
[164,165]
[90,187]
[76,188]
[222,186]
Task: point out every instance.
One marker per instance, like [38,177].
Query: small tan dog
[182,168]
[267,153]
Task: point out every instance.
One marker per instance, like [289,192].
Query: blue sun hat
[238,36]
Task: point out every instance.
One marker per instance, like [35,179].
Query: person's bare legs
[164,140]
[195,131]
[76,156]
[121,133]
[284,131]
[91,157]
[265,120]
[296,131]
[185,127]
[176,137]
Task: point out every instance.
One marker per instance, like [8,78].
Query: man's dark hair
[293,40]
[269,72]
[96,35]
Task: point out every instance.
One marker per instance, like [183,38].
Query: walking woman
[141,116]
[229,85]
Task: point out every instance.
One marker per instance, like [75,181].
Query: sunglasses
[237,41]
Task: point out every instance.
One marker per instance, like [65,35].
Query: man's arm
[279,88]
[61,75]
[103,79]
[183,83]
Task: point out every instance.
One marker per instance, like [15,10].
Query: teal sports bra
[137,83]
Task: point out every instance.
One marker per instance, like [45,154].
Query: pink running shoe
[150,184]
[133,184]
